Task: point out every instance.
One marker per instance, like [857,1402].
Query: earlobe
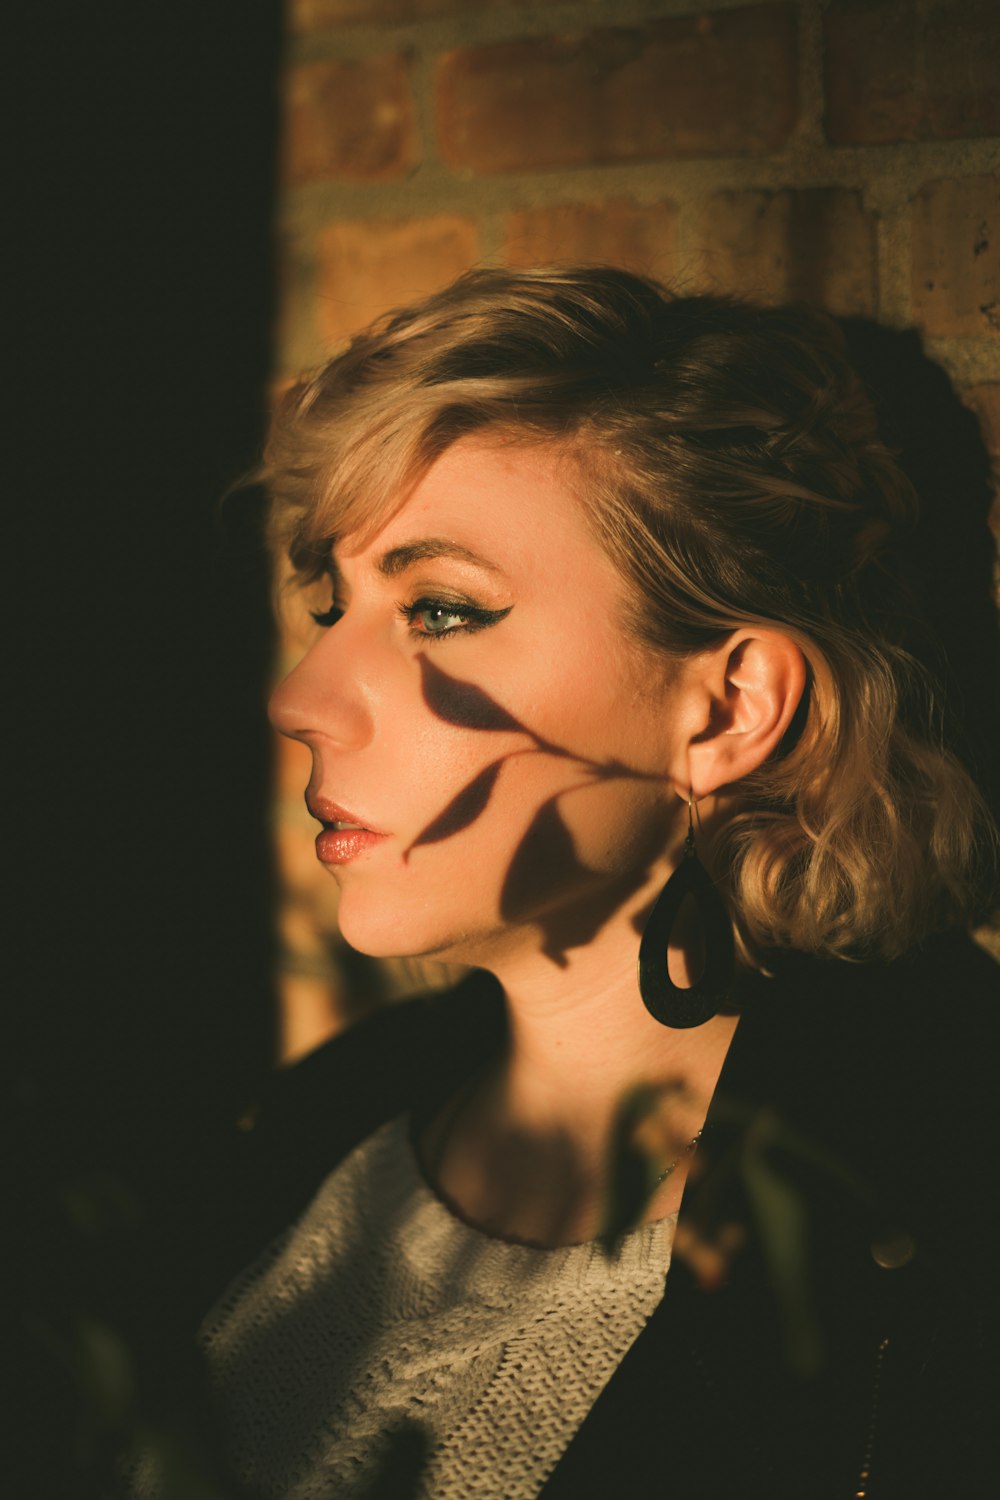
[752,683]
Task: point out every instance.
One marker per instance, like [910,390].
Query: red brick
[984,402]
[961,59]
[293,766]
[296,305]
[685,86]
[956,256]
[615,232]
[349,119]
[315,15]
[311,1011]
[815,245]
[369,266]
[896,74]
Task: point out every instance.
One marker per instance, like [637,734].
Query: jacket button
[893,1249]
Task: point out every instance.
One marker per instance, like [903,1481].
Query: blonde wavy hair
[732,470]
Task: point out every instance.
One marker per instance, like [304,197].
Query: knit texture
[380,1307]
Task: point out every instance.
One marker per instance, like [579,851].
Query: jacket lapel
[744,1387]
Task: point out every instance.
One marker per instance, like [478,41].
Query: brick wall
[846,153]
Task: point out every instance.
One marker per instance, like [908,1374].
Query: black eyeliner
[327,617]
[475,616]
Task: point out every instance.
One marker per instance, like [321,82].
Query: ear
[741,697]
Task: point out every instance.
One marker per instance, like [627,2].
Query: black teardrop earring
[667,1002]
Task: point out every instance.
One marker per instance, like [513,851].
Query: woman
[616,646]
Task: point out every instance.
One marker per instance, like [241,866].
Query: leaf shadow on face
[462,810]
[546,860]
[463,703]
[469,706]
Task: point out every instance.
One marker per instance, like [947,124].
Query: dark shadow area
[398,1475]
[139,981]
[937,442]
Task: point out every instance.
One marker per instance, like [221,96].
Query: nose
[321,699]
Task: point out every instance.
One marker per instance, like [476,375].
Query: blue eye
[433,618]
[436,619]
[441,617]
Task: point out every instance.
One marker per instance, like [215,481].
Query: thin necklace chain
[676,1162]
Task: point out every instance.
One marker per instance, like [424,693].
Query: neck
[580,1037]
[524,1152]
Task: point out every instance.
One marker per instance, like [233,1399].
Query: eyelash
[327,617]
[474,616]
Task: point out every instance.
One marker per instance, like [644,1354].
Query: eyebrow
[398,559]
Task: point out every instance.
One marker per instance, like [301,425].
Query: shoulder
[311,1115]
[892,1064]
[928,1022]
[940,1000]
[383,1064]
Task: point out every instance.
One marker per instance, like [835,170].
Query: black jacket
[856,1122]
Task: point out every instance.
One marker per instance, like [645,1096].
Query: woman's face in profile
[490,747]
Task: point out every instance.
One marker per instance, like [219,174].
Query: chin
[386,933]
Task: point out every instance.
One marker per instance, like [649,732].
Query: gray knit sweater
[380,1306]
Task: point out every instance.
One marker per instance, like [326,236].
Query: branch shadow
[546,857]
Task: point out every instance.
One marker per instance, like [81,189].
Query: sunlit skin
[579,746]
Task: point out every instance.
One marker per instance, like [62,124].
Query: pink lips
[338,845]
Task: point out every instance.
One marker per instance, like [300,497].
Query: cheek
[530,838]
[553,830]
[574,755]
[484,806]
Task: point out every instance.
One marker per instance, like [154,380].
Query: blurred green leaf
[104,1371]
[165,1465]
[98,1204]
[748,1171]
[781,1220]
[635,1170]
